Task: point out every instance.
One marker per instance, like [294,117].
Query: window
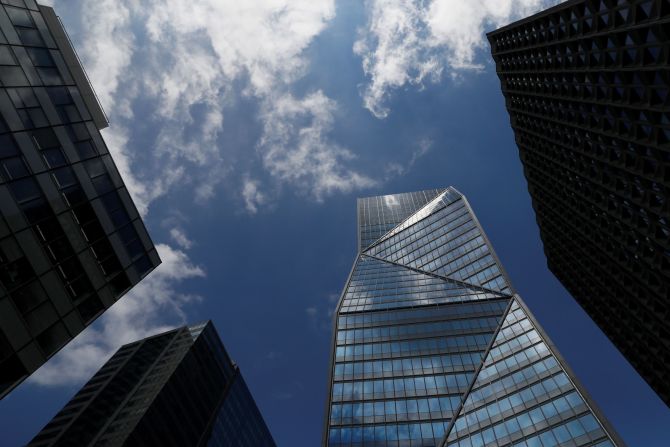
[6,56]
[30,37]
[64,104]
[19,17]
[28,107]
[13,76]
[40,57]
[53,338]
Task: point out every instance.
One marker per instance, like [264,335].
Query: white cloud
[422,148]
[253,197]
[319,317]
[296,149]
[410,41]
[178,235]
[186,60]
[138,314]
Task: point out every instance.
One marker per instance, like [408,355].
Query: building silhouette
[178,388]
[71,239]
[432,346]
[586,86]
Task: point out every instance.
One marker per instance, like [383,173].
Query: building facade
[586,86]
[71,239]
[432,346]
[178,388]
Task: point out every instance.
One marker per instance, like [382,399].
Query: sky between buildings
[245,130]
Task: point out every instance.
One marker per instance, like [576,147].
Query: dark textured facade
[586,85]
[71,239]
[178,388]
[432,347]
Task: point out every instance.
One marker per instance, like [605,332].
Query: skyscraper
[178,388]
[71,240]
[586,86]
[433,347]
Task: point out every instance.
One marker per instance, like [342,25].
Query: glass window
[51,76]
[40,57]
[562,434]
[12,76]
[19,17]
[589,422]
[30,37]
[6,56]
[392,433]
[14,168]
[25,190]
[54,157]
[575,428]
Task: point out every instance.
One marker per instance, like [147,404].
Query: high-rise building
[178,388]
[432,346]
[71,239]
[586,86]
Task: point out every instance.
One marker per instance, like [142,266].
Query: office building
[432,346]
[586,86]
[71,239]
[178,388]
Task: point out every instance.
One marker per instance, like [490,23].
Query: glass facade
[71,239]
[432,346]
[178,388]
[587,87]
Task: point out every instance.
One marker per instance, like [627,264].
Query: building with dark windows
[432,346]
[71,239]
[586,85]
[178,389]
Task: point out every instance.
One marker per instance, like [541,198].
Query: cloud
[396,169]
[296,149]
[411,41]
[168,71]
[141,312]
[178,235]
[253,197]
[320,316]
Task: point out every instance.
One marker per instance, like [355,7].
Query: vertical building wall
[427,321]
[71,239]
[178,389]
[587,88]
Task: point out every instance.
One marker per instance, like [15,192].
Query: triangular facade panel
[444,238]
[380,285]
[379,214]
[523,396]
[442,200]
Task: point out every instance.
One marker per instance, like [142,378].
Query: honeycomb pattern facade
[586,85]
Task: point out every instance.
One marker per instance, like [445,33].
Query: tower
[586,86]
[178,388]
[433,347]
[71,240]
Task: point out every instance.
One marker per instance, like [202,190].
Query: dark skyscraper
[586,85]
[433,347]
[178,389]
[71,240]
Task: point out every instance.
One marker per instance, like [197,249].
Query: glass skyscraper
[432,346]
[587,88]
[71,239]
[178,389]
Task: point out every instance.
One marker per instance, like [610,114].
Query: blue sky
[246,130]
